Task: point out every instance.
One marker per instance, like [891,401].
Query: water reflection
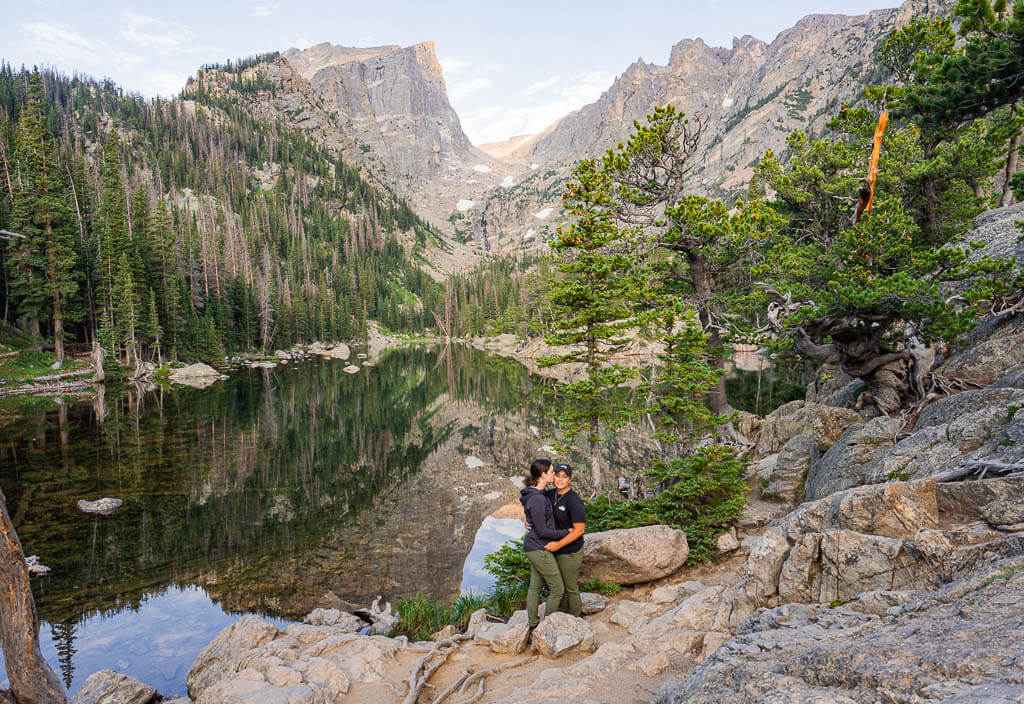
[155,642]
[275,491]
[493,533]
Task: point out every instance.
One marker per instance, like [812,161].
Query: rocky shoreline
[880,559]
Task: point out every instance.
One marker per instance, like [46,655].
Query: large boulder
[339,351]
[222,656]
[786,479]
[633,555]
[986,362]
[109,687]
[198,375]
[854,459]
[561,633]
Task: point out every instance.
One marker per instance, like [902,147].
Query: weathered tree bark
[702,289]
[33,681]
[1011,168]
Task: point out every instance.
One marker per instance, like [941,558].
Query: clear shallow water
[155,643]
[263,494]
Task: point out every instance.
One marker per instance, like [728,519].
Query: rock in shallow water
[103,507]
[109,687]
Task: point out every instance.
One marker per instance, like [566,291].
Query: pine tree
[112,244]
[42,264]
[591,310]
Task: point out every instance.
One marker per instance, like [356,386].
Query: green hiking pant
[543,570]
[569,567]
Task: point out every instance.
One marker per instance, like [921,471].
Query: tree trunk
[595,460]
[58,327]
[702,290]
[1011,169]
[33,681]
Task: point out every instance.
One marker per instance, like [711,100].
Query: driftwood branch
[981,467]
[468,677]
[417,681]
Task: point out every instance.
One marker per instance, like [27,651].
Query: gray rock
[1004,512]
[787,479]
[633,555]
[988,361]
[592,603]
[445,633]
[477,620]
[103,507]
[561,633]
[950,408]
[959,643]
[727,542]
[109,687]
[997,230]
[340,620]
[853,460]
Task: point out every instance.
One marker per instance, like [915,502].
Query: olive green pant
[543,570]
[569,566]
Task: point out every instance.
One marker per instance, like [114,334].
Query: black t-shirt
[568,509]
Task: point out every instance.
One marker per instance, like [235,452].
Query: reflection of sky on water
[156,644]
[493,533]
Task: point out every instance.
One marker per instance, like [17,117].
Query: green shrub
[705,494]
[419,617]
[601,587]
[508,564]
[465,605]
[505,600]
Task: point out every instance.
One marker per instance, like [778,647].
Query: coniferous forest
[188,229]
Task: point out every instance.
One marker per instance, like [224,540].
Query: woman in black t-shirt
[571,515]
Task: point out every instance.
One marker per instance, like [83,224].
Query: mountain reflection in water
[274,491]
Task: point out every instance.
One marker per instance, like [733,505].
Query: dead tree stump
[33,681]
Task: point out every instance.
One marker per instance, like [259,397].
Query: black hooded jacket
[541,519]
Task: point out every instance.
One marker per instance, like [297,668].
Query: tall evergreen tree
[42,264]
[591,305]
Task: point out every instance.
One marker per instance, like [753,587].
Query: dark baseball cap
[563,468]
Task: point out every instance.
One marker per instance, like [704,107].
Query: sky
[510,68]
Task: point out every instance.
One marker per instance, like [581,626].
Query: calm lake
[271,492]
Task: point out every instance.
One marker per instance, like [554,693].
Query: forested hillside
[187,228]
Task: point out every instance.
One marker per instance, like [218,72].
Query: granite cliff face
[751,96]
[386,108]
[392,102]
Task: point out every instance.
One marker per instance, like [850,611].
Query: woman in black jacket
[540,540]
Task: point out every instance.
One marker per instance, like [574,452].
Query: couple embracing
[555,521]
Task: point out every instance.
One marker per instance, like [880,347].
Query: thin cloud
[555,98]
[534,88]
[264,10]
[65,47]
[451,66]
[464,88]
[152,32]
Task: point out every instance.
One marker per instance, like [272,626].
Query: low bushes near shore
[419,616]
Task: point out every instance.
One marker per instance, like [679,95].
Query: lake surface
[271,492]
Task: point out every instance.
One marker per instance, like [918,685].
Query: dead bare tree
[33,681]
